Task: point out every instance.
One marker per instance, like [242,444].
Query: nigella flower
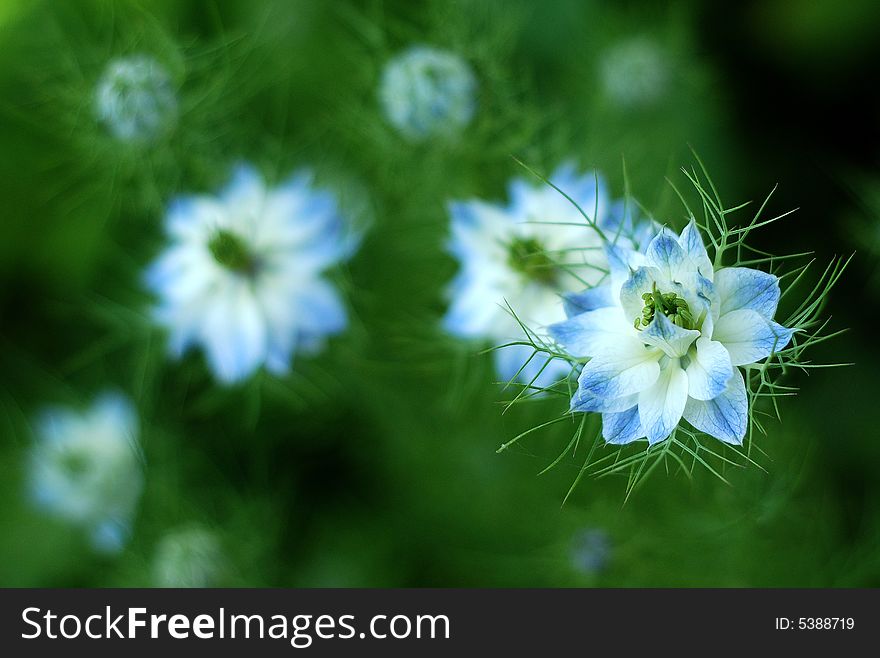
[190,556]
[243,275]
[591,551]
[634,72]
[666,339]
[522,254]
[426,92]
[85,468]
[135,98]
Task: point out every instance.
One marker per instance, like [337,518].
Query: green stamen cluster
[528,257]
[670,304]
[231,252]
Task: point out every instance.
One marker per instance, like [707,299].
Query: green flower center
[232,252]
[527,256]
[75,463]
[670,304]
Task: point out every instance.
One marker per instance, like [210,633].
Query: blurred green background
[374,463]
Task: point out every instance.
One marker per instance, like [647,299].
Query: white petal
[748,336]
[661,405]
[590,333]
[475,306]
[234,334]
[478,228]
[191,218]
[245,193]
[629,368]
[725,417]
[115,415]
[709,370]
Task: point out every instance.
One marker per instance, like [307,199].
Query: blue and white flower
[135,98]
[85,467]
[522,254]
[426,92]
[243,275]
[666,339]
[190,556]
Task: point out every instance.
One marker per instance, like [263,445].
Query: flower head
[85,468]
[243,278]
[135,98]
[634,72]
[426,92]
[190,556]
[667,338]
[591,551]
[522,254]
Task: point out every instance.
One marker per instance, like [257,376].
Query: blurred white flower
[190,556]
[635,72]
[85,468]
[242,275]
[524,254]
[427,92]
[135,98]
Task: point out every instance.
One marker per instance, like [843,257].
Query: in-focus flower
[85,468]
[243,278]
[426,92]
[634,72]
[523,254]
[190,556]
[135,98]
[666,338]
[591,551]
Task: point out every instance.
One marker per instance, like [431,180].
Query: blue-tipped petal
[629,369]
[621,428]
[110,536]
[743,287]
[622,261]
[726,417]
[692,243]
[575,303]
[246,183]
[749,337]
[665,253]
[321,309]
[584,402]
